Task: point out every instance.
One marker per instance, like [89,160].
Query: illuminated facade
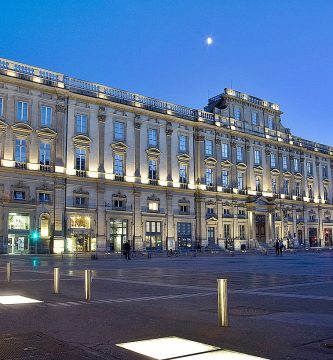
[90,167]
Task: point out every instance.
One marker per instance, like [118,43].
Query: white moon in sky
[209,40]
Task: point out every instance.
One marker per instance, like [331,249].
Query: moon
[209,40]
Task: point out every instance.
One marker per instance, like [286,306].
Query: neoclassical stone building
[85,166]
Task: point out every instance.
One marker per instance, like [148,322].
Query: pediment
[153,152]
[3,126]
[119,146]
[210,161]
[258,168]
[226,163]
[241,165]
[81,140]
[46,132]
[310,178]
[275,171]
[262,201]
[298,176]
[287,173]
[183,157]
[212,219]
[22,128]
[326,181]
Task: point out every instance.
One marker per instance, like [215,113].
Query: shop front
[118,234]
[328,237]
[153,240]
[18,233]
[80,235]
[184,235]
[313,237]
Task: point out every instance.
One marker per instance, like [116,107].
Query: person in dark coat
[127,249]
[281,247]
[277,247]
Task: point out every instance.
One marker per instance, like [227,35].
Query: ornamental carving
[119,147]
[218,141]
[199,138]
[153,197]
[267,152]
[233,144]
[168,132]
[291,157]
[101,118]
[137,125]
[60,108]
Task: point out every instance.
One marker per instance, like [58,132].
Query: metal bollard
[87,282]
[9,271]
[222,294]
[56,278]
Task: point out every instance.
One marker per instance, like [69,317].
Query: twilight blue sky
[278,50]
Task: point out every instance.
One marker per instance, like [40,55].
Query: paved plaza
[280,307]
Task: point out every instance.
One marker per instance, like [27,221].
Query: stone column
[169,132]
[170,237]
[251,228]
[60,127]
[267,169]
[219,214]
[101,135]
[199,158]
[218,167]
[137,142]
[59,213]
[320,226]
[249,170]
[101,220]
[233,169]
[317,179]
[137,221]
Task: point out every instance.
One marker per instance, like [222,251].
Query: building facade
[86,167]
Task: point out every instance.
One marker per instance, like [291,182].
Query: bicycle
[172,252]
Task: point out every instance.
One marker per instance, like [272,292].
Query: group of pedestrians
[278,247]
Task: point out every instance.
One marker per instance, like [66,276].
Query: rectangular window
[153,240]
[309,168]
[240,181]
[118,166]
[184,209]
[153,205]
[242,232]
[274,187]
[270,122]
[44,153]
[152,137]
[21,150]
[81,200]
[209,176]
[46,116]
[183,173]
[254,118]
[239,154]
[44,197]
[225,178]
[296,165]
[227,232]
[298,189]
[81,123]
[1,106]
[119,131]
[284,163]
[257,157]
[22,111]
[286,186]
[118,204]
[225,151]
[325,171]
[19,195]
[237,113]
[208,147]
[152,169]
[183,140]
[273,161]
[80,159]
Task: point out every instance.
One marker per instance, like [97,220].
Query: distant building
[85,167]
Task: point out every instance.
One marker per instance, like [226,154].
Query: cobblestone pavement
[279,307]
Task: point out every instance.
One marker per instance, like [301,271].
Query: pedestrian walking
[277,247]
[127,249]
[281,247]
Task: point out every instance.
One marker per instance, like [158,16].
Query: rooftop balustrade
[51,78]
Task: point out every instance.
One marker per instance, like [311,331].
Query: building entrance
[260,228]
[118,234]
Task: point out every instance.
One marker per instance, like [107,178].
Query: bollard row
[222,299]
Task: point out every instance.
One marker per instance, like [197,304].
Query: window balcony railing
[211,215]
[227,216]
[328,221]
[183,185]
[81,173]
[211,187]
[242,216]
[299,220]
[20,165]
[227,190]
[153,182]
[147,210]
[242,191]
[312,220]
[45,168]
[119,178]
